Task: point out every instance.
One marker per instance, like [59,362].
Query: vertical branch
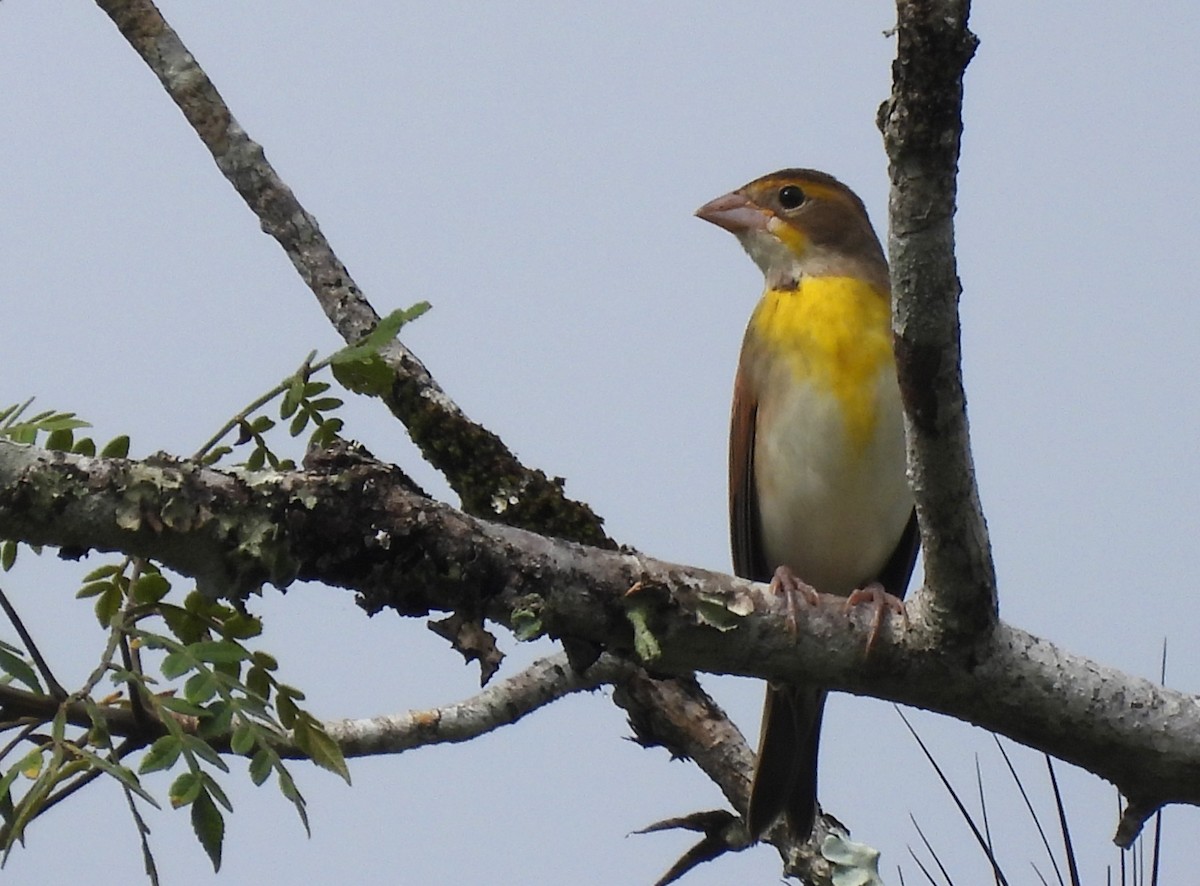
[922,130]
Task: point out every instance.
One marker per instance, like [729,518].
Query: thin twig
[1068,845]
[1037,822]
[52,685]
[130,744]
[307,368]
[957,800]
[143,830]
[21,736]
[129,657]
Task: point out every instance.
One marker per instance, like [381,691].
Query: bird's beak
[735,213]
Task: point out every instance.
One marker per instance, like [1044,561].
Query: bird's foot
[875,595]
[794,591]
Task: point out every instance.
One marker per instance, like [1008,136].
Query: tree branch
[922,130]
[500,704]
[363,529]
[486,475]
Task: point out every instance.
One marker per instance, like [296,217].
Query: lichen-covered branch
[361,527]
[502,703]
[922,130]
[486,475]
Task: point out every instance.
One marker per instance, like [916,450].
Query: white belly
[835,511]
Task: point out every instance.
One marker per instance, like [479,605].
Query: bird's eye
[790,196]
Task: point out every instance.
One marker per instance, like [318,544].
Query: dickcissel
[818,495]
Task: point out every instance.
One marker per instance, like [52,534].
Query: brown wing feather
[898,569]
[744,528]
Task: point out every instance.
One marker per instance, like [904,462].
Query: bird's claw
[881,600]
[793,590]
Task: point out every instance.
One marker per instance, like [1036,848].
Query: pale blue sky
[531,170]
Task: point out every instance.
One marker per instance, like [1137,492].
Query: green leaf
[258,681]
[8,554]
[204,751]
[185,625]
[216,454]
[260,766]
[291,692]
[60,440]
[313,387]
[108,604]
[121,773]
[324,404]
[287,709]
[20,670]
[150,587]
[176,665]
[240,626]
[15,770]
[105,571]
[217,792]
[389,327]
[200,687]
[293,396]
[326,431]
[242,740]
[256,460]
[85,446]
[231,670]
[362,372]
[310,736]
[161,755]
[299,421]
[219,651]
[262,424]
[217,723]
[209,825]
[98,735]
[264,660]
[10,414]
[31,763]
[117,447]
[288,788]
[184,789]
[61,421]
[201,605]
[181,706]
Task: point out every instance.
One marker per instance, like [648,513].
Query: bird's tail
[785,776]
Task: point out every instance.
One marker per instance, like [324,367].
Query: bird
[819,499]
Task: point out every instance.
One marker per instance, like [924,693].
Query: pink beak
[735,213]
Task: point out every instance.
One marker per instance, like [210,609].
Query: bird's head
[799,222]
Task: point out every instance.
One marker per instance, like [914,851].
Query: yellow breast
[835,333]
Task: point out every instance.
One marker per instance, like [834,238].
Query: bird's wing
[744,524]
[898,570]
